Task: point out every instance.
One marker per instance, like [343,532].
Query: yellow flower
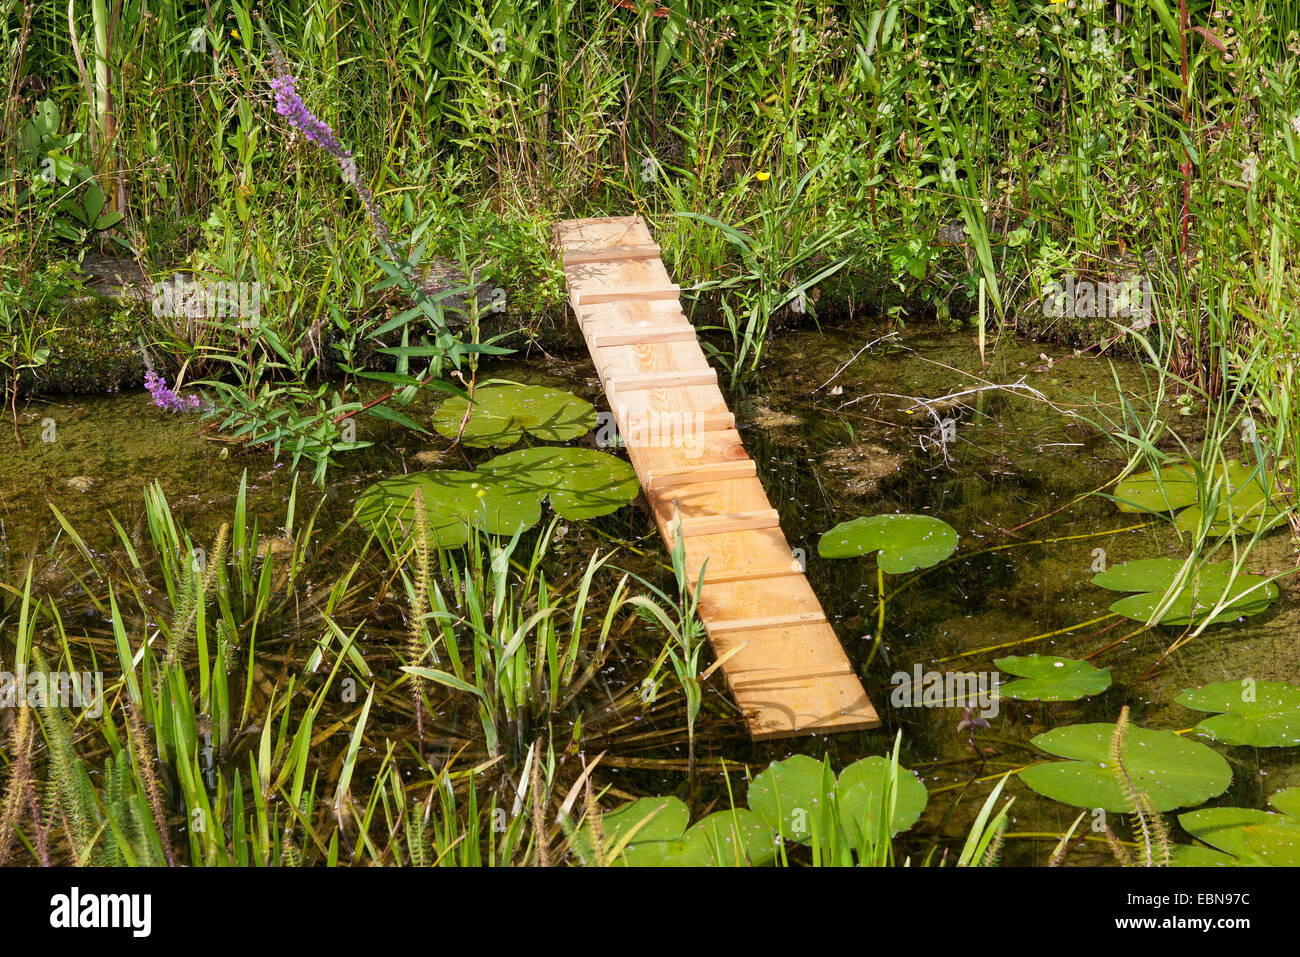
[762,177]
[235,34]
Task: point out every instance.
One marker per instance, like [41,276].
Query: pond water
[837,433]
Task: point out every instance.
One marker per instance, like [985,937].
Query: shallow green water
[832,442]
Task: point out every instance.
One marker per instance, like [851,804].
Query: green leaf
[1261,714]
[392,415]
[1246,502]
[1243,596]
[108,220]
[1247,496]
[670,820]
[581,483]
[454,501]
[905,542]
[503,411]
[723,839]
[787,794]
[860,790]
[503,496]
[1048,678]
[1174,772]
[736,838]
[1243,835]
[1165,490]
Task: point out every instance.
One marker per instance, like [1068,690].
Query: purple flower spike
[289,105]
[165,398]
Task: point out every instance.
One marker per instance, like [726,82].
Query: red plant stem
[374,402]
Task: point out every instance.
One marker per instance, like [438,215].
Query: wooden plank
[626,293]
[722,575]
[733,522]
[607,340]
[577,257]
[786,669]
[673,379]
[763,621]
[690,474]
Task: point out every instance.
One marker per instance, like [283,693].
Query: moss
[94,349]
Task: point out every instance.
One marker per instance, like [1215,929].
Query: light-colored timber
[785,666]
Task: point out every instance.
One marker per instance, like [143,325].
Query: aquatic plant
[502,496]
[1230,497]
[904,543]
[1172,771]
[1049,678]
[654,832]
[1151,827]
[677,614]
[1240,836]
[844,821]
[515,643]
[499,412]
[1260,714]
[1175,591]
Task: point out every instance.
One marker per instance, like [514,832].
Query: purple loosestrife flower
[165,398]
[289,105]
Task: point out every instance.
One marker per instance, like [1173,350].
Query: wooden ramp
[790,676]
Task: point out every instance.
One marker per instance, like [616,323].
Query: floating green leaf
[453,501]
[1165,490]
[1242,835]
[905,542]
[1262,714]
[1048,678]
[1244,503]
[1243,596]
[725,838]
[503,411]
[503,496]
[788,794]
[860,791]
[730,839]
[1173,771]
[581,483]
[1247,496]
[793,796]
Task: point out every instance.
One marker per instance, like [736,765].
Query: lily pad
[736,838]
[1262,714]
[860,792]
[793,795]
[581,483]
[1239,835]
[723,839]
[502,411]
[1244,503]
[788,794]
[1048,678]
[905,542]
[658,842]
[1165,490]
[503,496]
[1246,595]
[453,501]
[1173,771]
[1247,501]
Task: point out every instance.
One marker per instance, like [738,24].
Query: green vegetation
[334,225]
